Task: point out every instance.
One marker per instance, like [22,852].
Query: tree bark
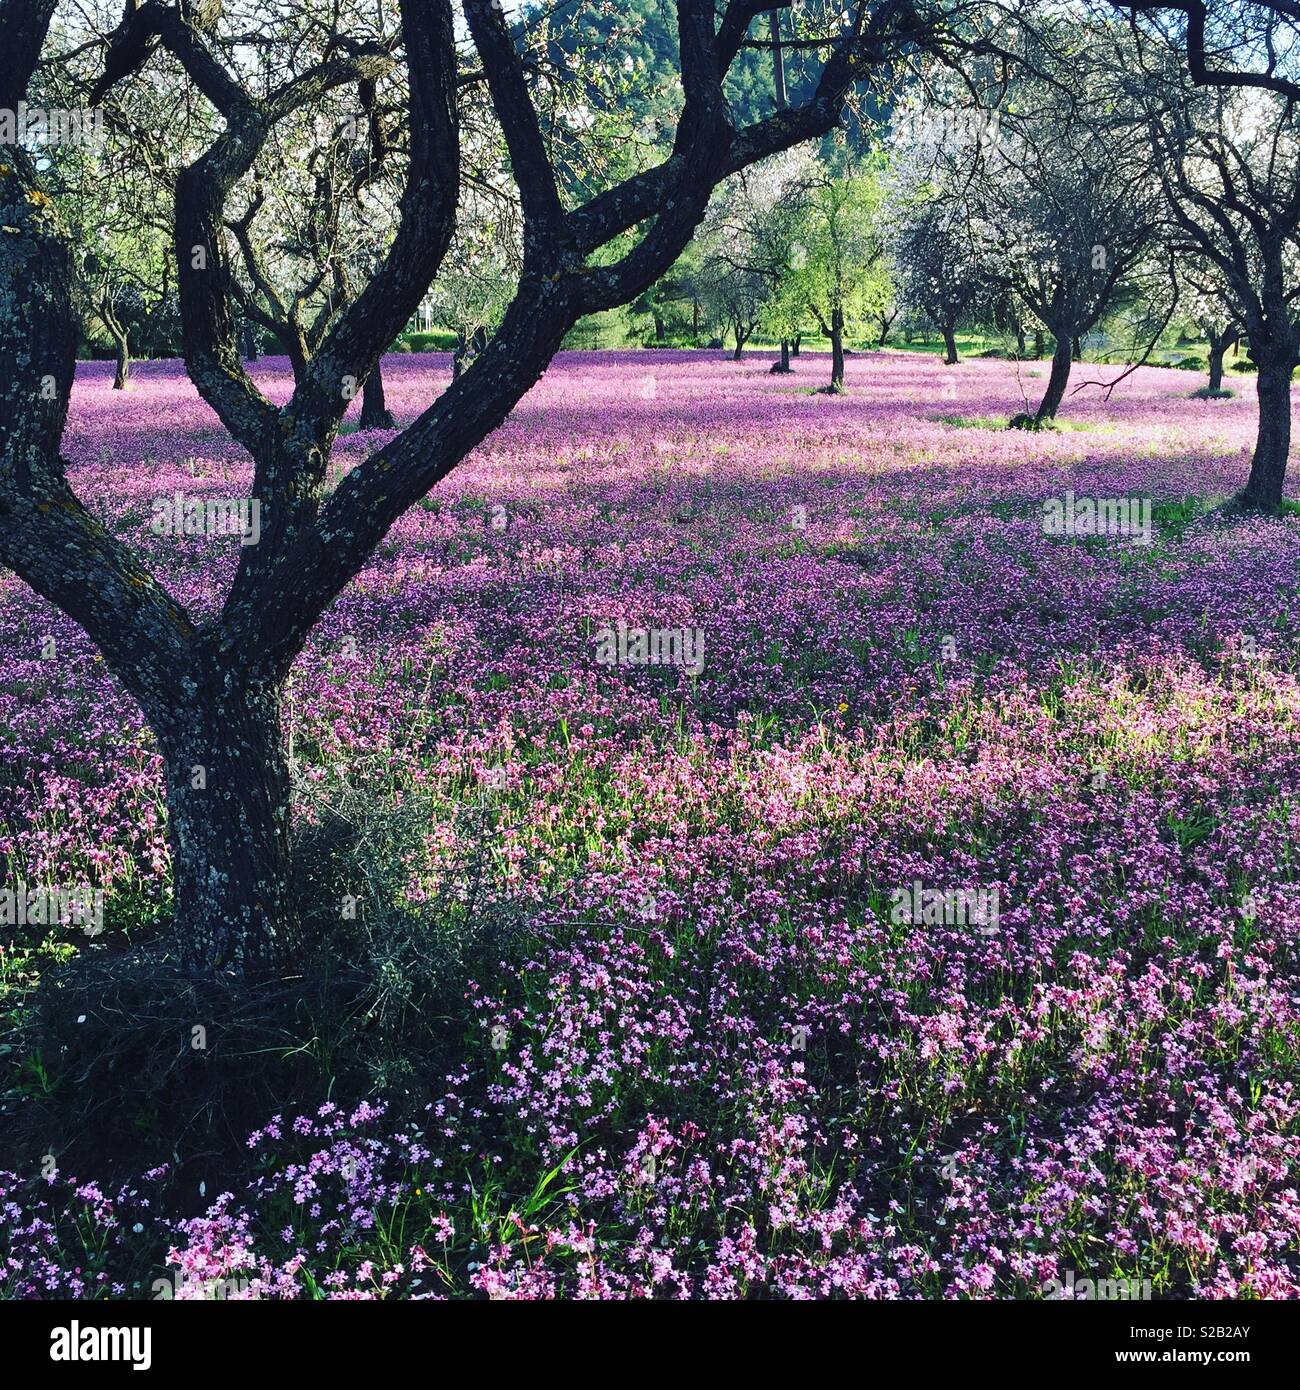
[1217,348]
[122,376]
[375,414]
[783,365]
[1057,381]
[741,337]
[228,804]
[949,345]
[1038,344]
[837,350]
[795,343]
[1076,349]
[1219,343]
[1273,441]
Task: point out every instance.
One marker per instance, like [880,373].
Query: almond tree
[1228,160]
[941,265]
[211,689]
[1067,202]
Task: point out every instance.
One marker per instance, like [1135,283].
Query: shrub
[438,341]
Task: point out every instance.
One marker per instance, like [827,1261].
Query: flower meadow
[718,1062]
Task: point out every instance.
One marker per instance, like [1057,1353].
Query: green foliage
[440,340]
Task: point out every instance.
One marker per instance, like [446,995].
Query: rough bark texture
[1057,380]
[228,803]
[1273,442]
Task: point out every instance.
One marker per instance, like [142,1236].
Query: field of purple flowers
[717,1065]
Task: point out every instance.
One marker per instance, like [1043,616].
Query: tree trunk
[375,414]
[1273,442]
[949,345]
[837,350]
[228,804]
[794,345]
[1038,344]
[1057,381]
[107,316]
[122,377]
[1076,349]
[1020,340]
[740,342]
[1218,346]
[660,332]
[784,364]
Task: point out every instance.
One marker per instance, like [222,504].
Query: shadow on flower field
[628,1005]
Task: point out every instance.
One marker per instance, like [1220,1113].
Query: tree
[838,272]
[1066,200]
[1209,304]
[942,271]
[1229,165]
[746,244]
[113,195]
[211,689]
